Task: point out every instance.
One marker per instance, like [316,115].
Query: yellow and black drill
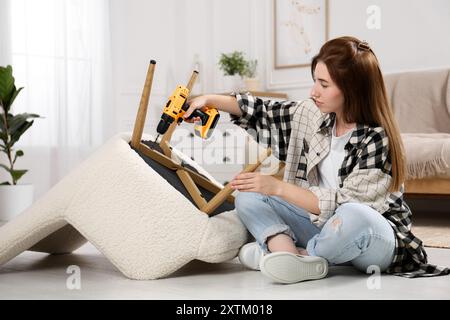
[177,106]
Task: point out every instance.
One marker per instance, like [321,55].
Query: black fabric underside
[171,177]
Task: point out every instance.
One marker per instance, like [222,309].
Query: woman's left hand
[256,182]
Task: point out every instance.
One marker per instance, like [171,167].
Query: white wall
[413,35]
[172,32]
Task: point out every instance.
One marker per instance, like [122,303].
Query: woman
[341,199]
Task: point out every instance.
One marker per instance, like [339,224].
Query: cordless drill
[177,106]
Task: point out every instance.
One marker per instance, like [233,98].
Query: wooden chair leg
[220,197]
[191,187]
[192,80]
[142,112]
[165,140]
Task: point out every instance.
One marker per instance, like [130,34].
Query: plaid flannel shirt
[300,135]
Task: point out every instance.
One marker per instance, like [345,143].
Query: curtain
[61,56]
[5,33]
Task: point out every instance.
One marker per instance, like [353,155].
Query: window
[60,54]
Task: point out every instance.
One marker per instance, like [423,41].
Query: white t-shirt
[330,165]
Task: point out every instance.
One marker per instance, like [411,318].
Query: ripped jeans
[356,234]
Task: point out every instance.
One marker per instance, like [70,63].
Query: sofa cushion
[420,100]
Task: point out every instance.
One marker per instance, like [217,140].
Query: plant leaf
[19,153]
[7,88]
[17,121]
[15,136]
[5,167]
[3,133]
[17,174]
[14,96]
[4,137]
[6,85]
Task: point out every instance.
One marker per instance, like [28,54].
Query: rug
[434,233]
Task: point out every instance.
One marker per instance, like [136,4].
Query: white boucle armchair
[129,212]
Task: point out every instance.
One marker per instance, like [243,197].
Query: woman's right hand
[194,104]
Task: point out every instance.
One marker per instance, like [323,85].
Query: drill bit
[156,138]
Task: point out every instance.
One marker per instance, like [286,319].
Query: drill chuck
[164,124]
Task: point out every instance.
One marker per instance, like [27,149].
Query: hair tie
[363,45]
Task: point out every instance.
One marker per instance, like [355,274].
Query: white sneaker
[250,255]
[285,267]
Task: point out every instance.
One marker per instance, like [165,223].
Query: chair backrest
[421,100]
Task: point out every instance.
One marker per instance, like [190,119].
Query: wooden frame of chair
[189,178]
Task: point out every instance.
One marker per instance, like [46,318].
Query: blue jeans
[355,234]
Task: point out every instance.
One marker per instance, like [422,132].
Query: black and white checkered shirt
[300,135]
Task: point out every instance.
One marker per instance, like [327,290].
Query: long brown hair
[354,68]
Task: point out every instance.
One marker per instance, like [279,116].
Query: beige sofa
[421,102]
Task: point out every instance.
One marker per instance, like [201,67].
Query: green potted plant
[233,63]
[233,66]
[250,79]
[236,68]
[14,198]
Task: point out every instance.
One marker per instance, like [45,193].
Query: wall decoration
[300,29]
